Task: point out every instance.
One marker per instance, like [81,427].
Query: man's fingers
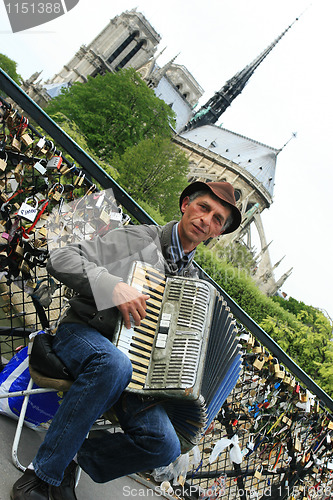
[126,319]
[135,308]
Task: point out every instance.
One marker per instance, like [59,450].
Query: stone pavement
[125,487]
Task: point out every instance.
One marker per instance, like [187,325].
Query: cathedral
[214,153]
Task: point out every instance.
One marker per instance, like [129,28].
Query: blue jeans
[101,374]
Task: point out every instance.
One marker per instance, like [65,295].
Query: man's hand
[130,302]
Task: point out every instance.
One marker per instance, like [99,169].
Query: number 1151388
[34,8]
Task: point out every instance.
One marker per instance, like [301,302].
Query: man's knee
[171,449]
[166,448]
[115,367]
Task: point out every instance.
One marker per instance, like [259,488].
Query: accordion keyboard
[138,341]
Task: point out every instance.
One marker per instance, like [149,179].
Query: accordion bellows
[185,351]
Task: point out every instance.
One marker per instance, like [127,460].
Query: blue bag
[41,407]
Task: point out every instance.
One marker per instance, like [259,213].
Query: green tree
[304,334]
[155,171]
[114,112]
[236,254]
[72,129]
[9,66]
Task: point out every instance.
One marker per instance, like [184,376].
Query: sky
[289,93]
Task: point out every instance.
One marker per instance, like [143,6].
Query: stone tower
[128,40]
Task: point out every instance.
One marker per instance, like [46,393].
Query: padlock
[287,421]
[41,143]
[3,163]
[24,267]
[18,171]
[19,250]
[274,367]
[64,169]
[250,341]
[16,144]
[50,150]
[297,445]
[78,178]
[104,216]
[303,397]
[257,347]
[27,139]
[292,383]
[267,356]
[116,216]
[81,179]
[287,378]
[42,232]
[54,162]
[259,363]
[57,191]
[258,474]
[10,118]
[3,197]
[280,374]
[28,212]
[40,167]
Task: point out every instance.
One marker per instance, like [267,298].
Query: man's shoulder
[152,230]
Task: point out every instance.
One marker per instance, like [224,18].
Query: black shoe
[66,491]
[29,487]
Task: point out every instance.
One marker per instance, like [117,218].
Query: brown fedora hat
[222,190]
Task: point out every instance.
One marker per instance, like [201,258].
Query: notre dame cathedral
[214,153]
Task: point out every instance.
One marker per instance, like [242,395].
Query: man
[97,270]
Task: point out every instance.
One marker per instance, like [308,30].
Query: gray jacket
[93,268]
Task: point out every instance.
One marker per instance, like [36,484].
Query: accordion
[185,352]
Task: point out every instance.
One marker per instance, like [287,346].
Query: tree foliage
[154,170]
[235,253]
[10,67]
[304,334]
[114,112]
[73,130]
[128,128]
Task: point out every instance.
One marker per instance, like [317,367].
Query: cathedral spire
[213,109]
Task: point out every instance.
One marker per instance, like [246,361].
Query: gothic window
[131,54]
[123,46]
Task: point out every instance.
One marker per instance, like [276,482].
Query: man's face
[203,218]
